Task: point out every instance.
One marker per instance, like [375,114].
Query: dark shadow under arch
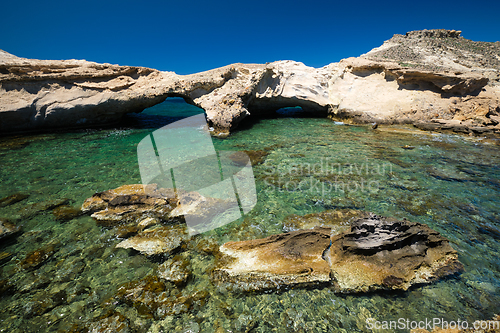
[170,110]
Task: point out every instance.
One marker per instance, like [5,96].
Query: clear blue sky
[192,36]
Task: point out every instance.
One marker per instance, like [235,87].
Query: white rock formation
[432,78]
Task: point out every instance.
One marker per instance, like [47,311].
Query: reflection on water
[63,274]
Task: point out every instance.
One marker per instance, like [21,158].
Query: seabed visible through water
[449,182]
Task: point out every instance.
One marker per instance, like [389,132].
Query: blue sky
[192,36]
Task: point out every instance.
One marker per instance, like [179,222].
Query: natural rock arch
[383,86]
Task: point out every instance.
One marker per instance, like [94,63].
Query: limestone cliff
[432,78]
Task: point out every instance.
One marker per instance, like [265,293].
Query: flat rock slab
[374,253]
[279,260]
[160,240]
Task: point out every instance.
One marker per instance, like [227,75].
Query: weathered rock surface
[375,253]
[131,204]
[159,240]
[8,228]
[382,253]
[337,220]
[278,260]
[176,270]
[424,75]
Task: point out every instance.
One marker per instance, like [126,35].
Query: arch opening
[172,109]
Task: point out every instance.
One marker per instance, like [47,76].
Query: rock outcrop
[376,253]
[136,205]
[412,78]
[382,253]
[140,206]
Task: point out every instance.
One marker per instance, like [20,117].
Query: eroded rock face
[374,253]
[424,75]
[381,253]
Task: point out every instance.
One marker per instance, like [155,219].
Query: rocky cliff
[434,79]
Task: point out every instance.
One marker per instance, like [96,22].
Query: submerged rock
[44,301]
[256,157]
[384,253]
[159,240]
[40,207]
[37,258]
[8,228]
[112,321]
[176,270]
[12,199]
[337,220]
[279,260]
[374,253]
[153,298]
[66,213]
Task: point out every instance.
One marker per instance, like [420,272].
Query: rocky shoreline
[434,79]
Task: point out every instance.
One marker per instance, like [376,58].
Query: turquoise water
[451,183]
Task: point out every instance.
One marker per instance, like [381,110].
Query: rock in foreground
[383,253]
[279,260]
[375,253]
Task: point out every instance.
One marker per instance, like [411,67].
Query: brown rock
[37,258]
[159,240]
[375,253]
[112,321]
[12,199]
[66,213]
[176,270]
[337,220]
[293,258]
[152,298]
[144,206]
[383,253]
[8,228]
[130,204]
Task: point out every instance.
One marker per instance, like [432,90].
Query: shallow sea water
[449,182]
